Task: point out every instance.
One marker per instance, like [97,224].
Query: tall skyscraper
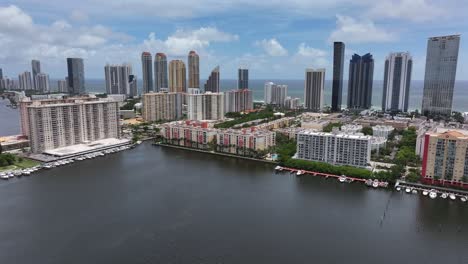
[62,86]
[212,84]
[132,82]
[177,73]
[439,79]
[36,69]
[361,77]
[76,80]
[147,70]
[243,79]
[160,72]
[193,70]
[117,78]
[239,100]
[275,94]
[42,83]
[1,73]
[337,86]
[397,81]
[25,81]
[313,89]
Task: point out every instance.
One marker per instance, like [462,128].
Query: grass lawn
[26,163]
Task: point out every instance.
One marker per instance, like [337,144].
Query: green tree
[367,131]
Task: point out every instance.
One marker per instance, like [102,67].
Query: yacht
[342,179]
[425,192]
[3,176]
[11,175]
[444,195]
[279,168]
[375,183]
[414,191]
[300,172]
[452,197]
[27,172]
[18,173]
[463,198]
[407,190]
[398,188]
[433,194]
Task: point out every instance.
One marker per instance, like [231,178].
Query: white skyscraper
[313,89]
[397,81]
[207,106]
[117,79]
[62,86]
[439,78]
[42,83]
[275,94]
[25,81]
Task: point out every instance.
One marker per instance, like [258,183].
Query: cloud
[272,47]
[351,30]
[79,16]
[304,50]
[414,10]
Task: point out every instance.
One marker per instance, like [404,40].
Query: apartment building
[192,134]
[207,106]
[239,142]
[162,106]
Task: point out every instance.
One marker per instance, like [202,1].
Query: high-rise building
[291,103]
[439,78]
[8,84]
[212,84]
[275,94]
[243,78]
[313,89]
[193,70]
[338,149]
[147,70]
[177,75]
[36,69]
[42,83]
[397,81]
[337,86]
[56,123]
[62,86]
[162,106]
[238,100]
[160,72]
[117,78]
[361,77]
[76,79]
[25,81]
[445,157]
[207,106]
[1,73]
[132,83]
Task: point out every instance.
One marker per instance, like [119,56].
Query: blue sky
[274,39]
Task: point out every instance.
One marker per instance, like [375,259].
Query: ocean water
[296,89]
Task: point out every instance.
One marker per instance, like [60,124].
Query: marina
[432,192]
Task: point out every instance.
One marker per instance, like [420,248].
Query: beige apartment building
[162,106]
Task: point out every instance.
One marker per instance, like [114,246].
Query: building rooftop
[79,148]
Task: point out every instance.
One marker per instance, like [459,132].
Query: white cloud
[272,47]
[14,19]
[351,30]
[79,16]
[415,10]
[304,50]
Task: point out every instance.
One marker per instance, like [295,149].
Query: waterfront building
[275,94]
[292,103]
[162,106]
[76,79]
[177,75]
[238,100]
[337,85]
[117,79]
[337,149]
[55,123]
[275,124]
[133,86]
[212,84]
[42,83]
[313,89]
[62,86]
[147,71]
[25,81]
[361,77]
[36,69]
[439,78]
[244,141]
[445,157]
[160,72]
[193,134]
[207,106]
[242,78]
[382,131]
[397,82]
[193,70]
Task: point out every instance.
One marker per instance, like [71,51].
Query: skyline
[298,39]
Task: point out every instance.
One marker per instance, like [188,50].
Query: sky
[275,39]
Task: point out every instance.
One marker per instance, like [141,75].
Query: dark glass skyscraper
[147,71]
[337,86]
[243,79]
[212,84]
[76,80]
[36,69]
[361,77]
[160,72]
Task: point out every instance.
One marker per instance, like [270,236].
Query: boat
[10,175]
[414,191]
[375,183]
[300,172]
[407,190]
[425,192]
[342,179]
[18,173]
[433,194]
[398,188]
[452,197]
[368,182]
[26,172]
[383,184]
[138,142]
[278,168]
[463,198]
[3,176]
[444,195]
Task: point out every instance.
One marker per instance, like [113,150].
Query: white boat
[11,175]
[375,184]
[3,176]
[407,190]
[425,192]
[444,195]
[433,194]
[26,173]
[398,188]
[463,198]
[369,182]
[452,197]
[18,173]
[299,172]
[342,179]
[138,142]
[414,191]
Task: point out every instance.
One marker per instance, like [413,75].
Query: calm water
[160,205]
[9,119]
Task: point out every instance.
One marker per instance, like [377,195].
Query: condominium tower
[238,100]
[360,81]
[193,70]
[207,106]
[162,106]
[275,94]
[212,84]
[24,81]
[243,78]
[439,78]
[147,71]
[62,86]
[160,72]
[76,79]
[337,86]
[42,83]
[397,81]
[36,69]
[313,89]
[117,78]
[177,75]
